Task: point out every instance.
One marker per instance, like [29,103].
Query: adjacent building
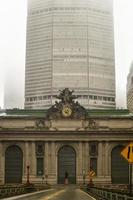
[130,89]
[70,44]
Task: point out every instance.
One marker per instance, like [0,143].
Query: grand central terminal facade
[66,138]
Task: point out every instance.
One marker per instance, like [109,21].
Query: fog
[13,41]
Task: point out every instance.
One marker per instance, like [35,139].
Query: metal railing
[11,190]
[109,194]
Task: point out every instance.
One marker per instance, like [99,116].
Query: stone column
[50,157]
[46,170]
[86,157]
[103,159]
[53,155]
[33,159]
[100,155]
[106,159]
[83,156]
[80,166]
[2,164]
[26,161]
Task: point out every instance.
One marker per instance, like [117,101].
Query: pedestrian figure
[66,178]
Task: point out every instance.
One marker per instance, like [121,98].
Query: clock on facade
[66,111]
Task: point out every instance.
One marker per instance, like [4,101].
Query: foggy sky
[13,41]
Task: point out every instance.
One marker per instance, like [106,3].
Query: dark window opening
[40,166]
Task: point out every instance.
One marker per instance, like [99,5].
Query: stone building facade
[53,144]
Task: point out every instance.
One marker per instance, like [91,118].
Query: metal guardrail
[6,191]
[109,195]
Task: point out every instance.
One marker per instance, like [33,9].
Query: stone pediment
[66,107]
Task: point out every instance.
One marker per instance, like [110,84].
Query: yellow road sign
[127,153]
[92,173]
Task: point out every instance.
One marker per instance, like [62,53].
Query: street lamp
[84,176]
[42,179]
[46,175]
[28,175]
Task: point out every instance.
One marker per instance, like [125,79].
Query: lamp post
[42,179]
[84,176]
[46,176]
[28,175]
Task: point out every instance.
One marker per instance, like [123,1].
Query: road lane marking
[52,195]
[88,195]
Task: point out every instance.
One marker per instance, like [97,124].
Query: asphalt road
[61,193]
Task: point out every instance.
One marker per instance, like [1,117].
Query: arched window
[13,164]
[66,165]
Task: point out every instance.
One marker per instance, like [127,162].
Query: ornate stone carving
[39,148]
[93,148]
[42,124]
[92,124]
[66,107]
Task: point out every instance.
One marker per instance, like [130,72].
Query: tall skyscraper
[70,43]
[130,89]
